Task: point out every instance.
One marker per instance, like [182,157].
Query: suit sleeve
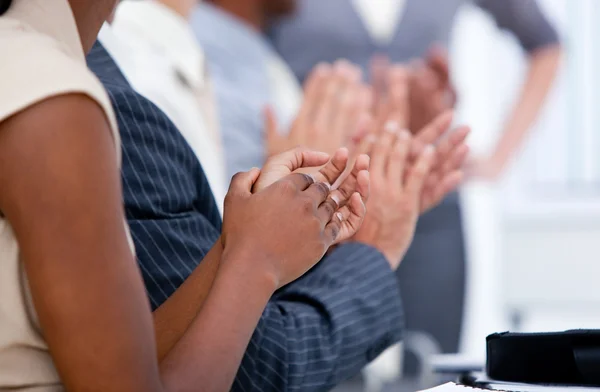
[524,19]
[323,328]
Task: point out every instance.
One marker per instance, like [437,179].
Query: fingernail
[336,199]
[405,135]
[339,215]
[391,126]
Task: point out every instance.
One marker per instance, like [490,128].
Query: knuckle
[335,230]
[236,177]
[308,206]
[323,189]
[329,208]
[287,187]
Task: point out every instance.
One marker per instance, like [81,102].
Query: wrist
[244,263]
[392,256]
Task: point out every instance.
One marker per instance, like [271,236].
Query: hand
[431,92]
[396,188]
[451,150]
[335,104]
[287,227]
[350,191]
[379,68]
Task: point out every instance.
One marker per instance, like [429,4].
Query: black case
[570,357]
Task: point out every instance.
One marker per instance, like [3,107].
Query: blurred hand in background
[334,112]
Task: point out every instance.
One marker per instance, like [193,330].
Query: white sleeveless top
[42,57]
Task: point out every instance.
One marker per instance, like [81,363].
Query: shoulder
[36,67]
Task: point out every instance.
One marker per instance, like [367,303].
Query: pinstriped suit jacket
[315,332]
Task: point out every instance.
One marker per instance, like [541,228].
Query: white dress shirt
[286,92]
[159,55]
[380,17]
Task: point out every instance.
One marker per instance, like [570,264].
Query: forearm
[175,315]
[325,327]
[543,65]
[208,356]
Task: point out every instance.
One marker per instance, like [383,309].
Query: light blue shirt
[238,59]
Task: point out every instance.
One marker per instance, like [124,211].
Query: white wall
[532,239]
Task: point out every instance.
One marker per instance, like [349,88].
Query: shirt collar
[167,32]
[53,18]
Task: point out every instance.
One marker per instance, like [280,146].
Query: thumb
[437,60]
[242,183]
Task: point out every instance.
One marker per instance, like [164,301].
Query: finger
[446,149]
[398,95]
[398,158]
[352,217]
[363,186]
[326,210]
[432,131]
[381,150]
[355,181]
[241,183]
[362,130]
[456,160]
[419,172]
[332,230]
[299,157]
[449,143]
[318,192]
[345,114]
[335,167]
[448,184]
[349,112]
[378,67]
[274,138]
[313,88]
[300,180]
[328,101]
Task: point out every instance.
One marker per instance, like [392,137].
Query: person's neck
[90,16]
[245,10]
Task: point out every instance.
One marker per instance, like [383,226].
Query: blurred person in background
[158,53]
[371,34]
[250,77]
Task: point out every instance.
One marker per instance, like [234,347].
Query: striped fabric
[315,332]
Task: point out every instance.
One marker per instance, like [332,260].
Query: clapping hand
[333,111]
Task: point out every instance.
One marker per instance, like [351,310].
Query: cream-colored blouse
[42,57]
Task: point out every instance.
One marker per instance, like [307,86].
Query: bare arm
[173,317]
[61,192]
[543,65]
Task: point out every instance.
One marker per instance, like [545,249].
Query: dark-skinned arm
[173,317]
[61,193]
